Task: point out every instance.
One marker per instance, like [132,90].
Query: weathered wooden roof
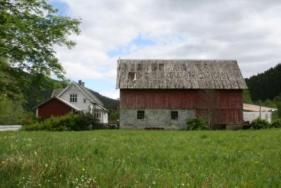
[179,74]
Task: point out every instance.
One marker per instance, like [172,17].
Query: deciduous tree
[29,31]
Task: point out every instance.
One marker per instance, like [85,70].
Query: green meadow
[138,158]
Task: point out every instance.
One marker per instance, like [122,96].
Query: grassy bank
[118,158]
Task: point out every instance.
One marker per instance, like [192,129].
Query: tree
[279,109]
[247,97]
[11,111]
[29,29]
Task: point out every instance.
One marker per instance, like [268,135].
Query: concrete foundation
[155,118]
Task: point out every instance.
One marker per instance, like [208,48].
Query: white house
[75,97]
[252,112]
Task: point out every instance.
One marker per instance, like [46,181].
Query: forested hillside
[266,85]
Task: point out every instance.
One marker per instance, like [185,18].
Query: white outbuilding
[252,112]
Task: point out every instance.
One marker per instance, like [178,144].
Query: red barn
[166,93]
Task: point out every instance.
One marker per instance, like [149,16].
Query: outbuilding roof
[257,108]
[179,74]
[61,100]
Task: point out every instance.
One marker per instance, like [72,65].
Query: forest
[265,88]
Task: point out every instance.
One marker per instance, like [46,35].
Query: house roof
[179,74]
[56,92]
[91,97]
[257,108]
[61,100]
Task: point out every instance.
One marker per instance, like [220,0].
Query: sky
[246,30]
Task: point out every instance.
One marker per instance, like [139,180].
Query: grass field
[127,158]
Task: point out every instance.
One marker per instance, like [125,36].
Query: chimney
[81,83]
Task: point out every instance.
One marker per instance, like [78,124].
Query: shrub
[276,124]
[74,122]
[260,124]
[197,124]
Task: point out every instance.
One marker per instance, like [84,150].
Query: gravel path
[10,127]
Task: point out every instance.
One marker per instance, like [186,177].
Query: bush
[197,124]
[260,124]
[75,122]
[276,124]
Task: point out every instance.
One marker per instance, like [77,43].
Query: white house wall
[251,116]
[85,107]
[80,98]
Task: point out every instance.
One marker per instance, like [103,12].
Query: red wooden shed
[54,107]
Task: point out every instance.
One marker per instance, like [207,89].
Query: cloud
[244,30]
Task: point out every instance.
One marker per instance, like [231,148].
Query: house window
[84,100]
[73,98]
[174,115]
[140,114]
[97,115]
[132,76]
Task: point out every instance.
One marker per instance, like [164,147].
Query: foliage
[9,82]
[75,122]
[29,30]
[279,109]
[197,124]
[265,85]
[11,111]
[276,123]
[247,97]
[138,158]
[260,124]
[113,116]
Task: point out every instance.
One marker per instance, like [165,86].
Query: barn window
[132,76]
[85,100]
[174,115]
[161,67]
[140,114]
[73,98]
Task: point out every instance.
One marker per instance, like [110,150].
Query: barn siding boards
[179,98]
[185,74]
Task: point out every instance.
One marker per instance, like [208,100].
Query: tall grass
[124,158]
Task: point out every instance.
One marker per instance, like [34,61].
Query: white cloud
[244,30]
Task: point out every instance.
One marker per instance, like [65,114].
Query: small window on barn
[174,115]
[161,67]
[154,66]
[140,114]
[85,100]
[132,76]
[73,98]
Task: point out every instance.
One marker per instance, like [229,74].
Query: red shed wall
[54,107]
[226,105]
